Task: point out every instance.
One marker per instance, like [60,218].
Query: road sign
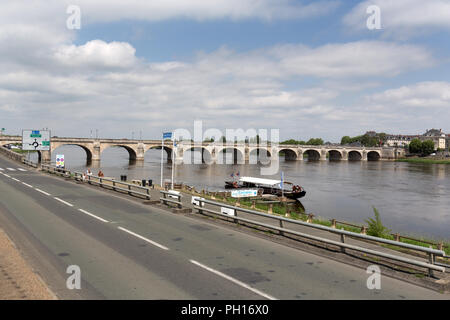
[167,135]
[244,193]
[60,161]
[36,140]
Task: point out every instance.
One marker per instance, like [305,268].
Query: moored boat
[268,186]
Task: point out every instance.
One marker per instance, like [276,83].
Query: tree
[346,140]
[415,146]
[376,228]
[315,142]
[427,147]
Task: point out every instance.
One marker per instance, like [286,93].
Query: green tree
[376,227]
[315,142]
[427,147]
[415,146]
[346,140]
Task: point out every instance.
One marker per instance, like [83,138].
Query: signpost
[166,135]
[60,161]
[36,140]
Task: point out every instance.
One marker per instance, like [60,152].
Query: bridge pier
[323,155]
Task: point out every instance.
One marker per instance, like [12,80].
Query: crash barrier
[171,197]
[431,265]
[30,163]
[58,171]
[310,216]
[129,188]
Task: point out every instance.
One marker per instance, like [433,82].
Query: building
[399,140]
[440,139]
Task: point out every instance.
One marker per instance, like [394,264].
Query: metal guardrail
[432,253]
[166,200]
[113,184]
[100,181]
[55,170]
[30,163]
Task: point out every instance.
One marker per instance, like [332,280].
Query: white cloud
[97,53]
[403,17]
[431,96]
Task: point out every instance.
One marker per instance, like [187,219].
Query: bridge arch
[167,149]
[373,155]
[131,152]
[335,155]
[197,155]
[54,147]
[289,154]
[259,155]
[230,155]
[311,154]
[354,155]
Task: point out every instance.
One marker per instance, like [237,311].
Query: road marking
[242,284]
[1,169]
[62,201]
[41,191]
[20,169]
[26,184]
[93,215]
[16,179]
[11,169]
[145,239]
[6,175]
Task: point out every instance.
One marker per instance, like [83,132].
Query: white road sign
[36,140]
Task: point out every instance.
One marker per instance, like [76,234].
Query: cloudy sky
[308,68]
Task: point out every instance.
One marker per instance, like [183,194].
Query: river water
[413,199]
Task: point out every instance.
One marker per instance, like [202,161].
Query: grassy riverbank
[423,160]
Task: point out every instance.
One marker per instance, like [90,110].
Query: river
[413,199]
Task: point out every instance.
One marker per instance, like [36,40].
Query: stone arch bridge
[214,152]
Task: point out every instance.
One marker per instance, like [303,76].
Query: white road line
[11,169]
[16,179]
[244,285]
[41,191]
[27,184]
[20,169]
[1,169]
[93,215]
[6,175]
[145,239]
[62,201]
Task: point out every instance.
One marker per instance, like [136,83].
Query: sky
[308,68]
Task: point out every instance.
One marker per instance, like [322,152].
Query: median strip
[93,215]
[145,239]
[62,201]
[240,283]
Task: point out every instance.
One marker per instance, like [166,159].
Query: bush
[376,227]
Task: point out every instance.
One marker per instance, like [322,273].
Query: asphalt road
[128,250]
